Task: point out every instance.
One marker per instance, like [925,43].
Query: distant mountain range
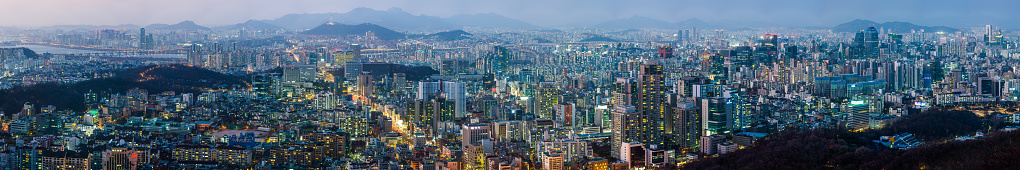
[382,32]
[251,25]
[398,19]
[357,30]
[897,27]
[183,25]
[638,22]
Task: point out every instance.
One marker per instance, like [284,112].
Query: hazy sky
[538,12]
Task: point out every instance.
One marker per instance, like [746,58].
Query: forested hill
[841,149]
[155,79]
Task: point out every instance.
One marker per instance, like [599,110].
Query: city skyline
[533,85]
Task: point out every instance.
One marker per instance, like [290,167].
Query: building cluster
[498,101]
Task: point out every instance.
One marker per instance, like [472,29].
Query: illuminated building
[860,110]
[716,116]
[626,126]
[454,91]
[598,164]
[366,89]
[125,158]
[625,92]
[342,57]
[552,161]
[547,96]
[474,132]
[687,126]
[710,144]
[871,43]
[569,150]
[653,108]
[565,113]
[64,160]
[193,153]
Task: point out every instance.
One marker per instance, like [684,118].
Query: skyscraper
[871,43]
[856,50]
[548,95]
[716,116]
[626,127]
[767,48]
[625,92]
[686,126]
[145,40]
[651,84]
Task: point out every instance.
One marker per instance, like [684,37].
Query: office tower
[342,57]
[488,81]
[792,52]
[743,113]
[681,36]
[857,115]
[856,49]
[352,69]
[861,109]
[48,123]
[652,88]
[356,48]
[626,127]
[742,56]
[145,41]
[548,95]
[422,112]
[262,85]
[991,86]
[474,133]
[871,43]
[767,49]
[366,88]
[454,91]
[716,116]
[717,68]
[429,89]
[299,73]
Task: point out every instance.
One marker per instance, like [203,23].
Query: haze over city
[538,12]
[509,85]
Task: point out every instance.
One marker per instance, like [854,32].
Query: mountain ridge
[183,25]
[357,30]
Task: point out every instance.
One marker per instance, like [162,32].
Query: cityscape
[529,85]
